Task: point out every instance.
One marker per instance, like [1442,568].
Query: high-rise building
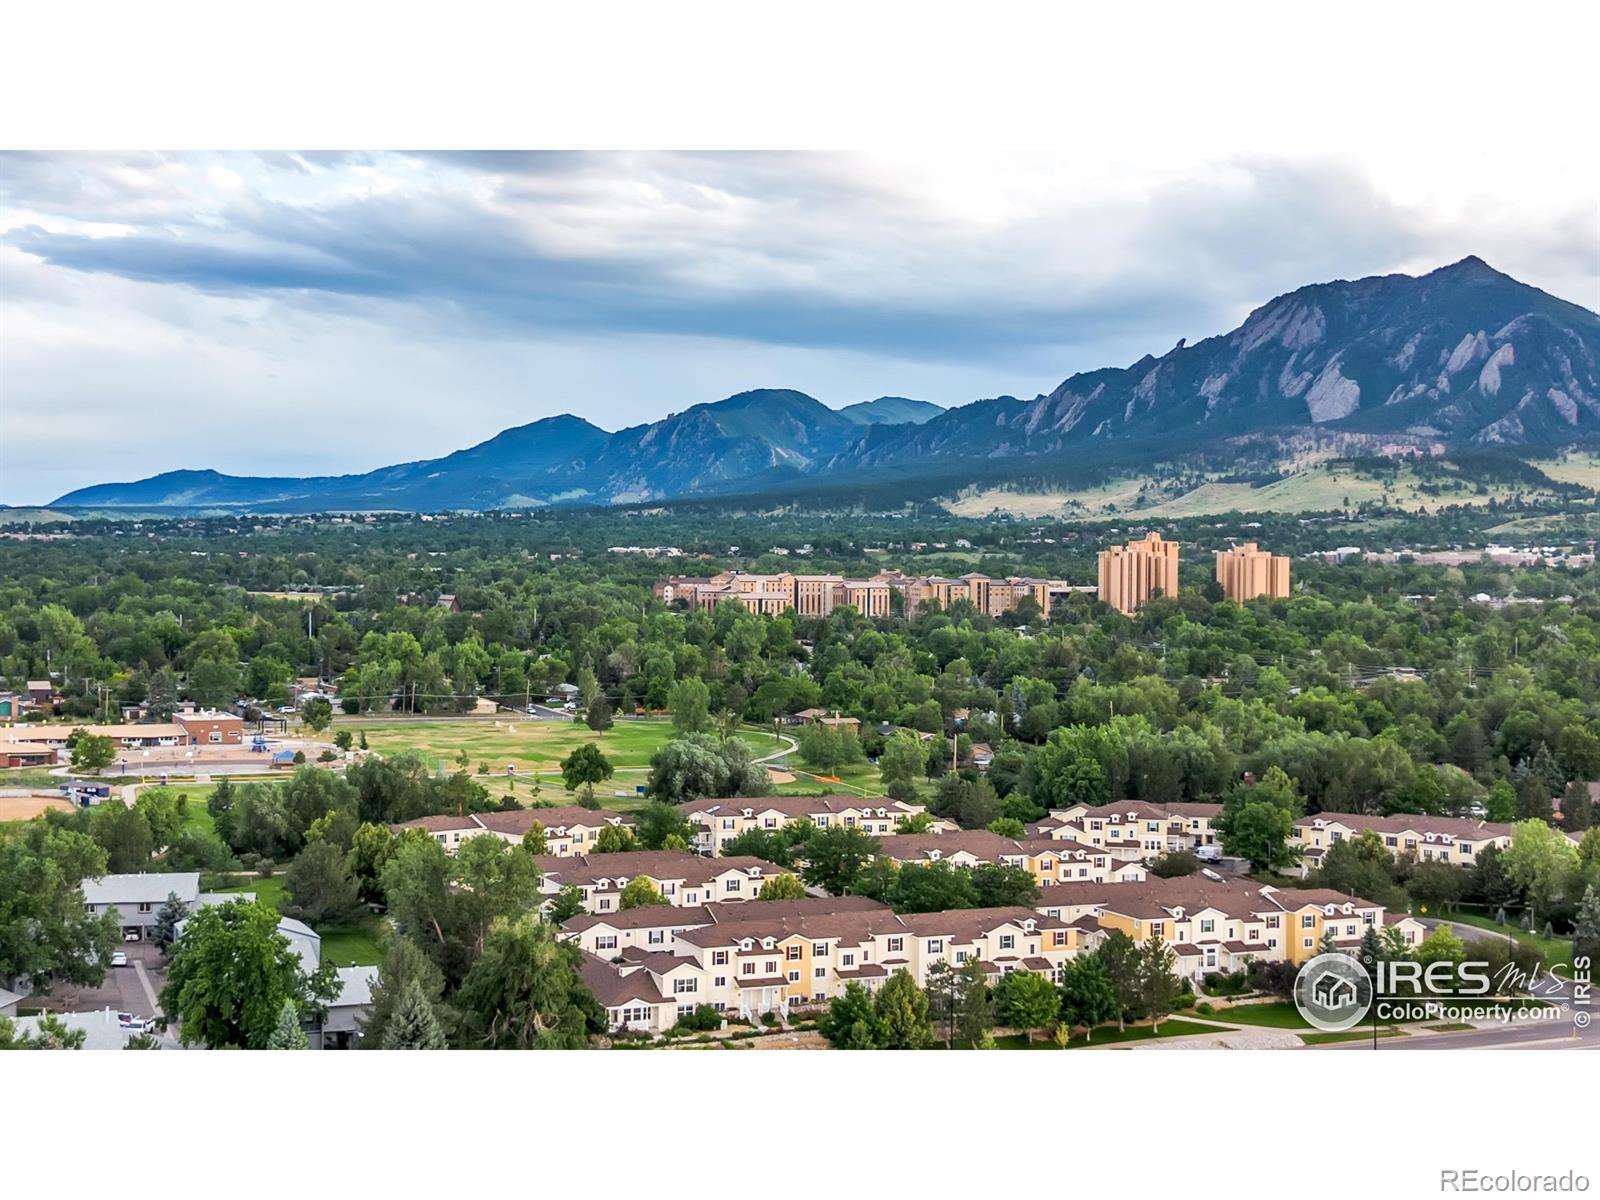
[1247,572]
[1131,574]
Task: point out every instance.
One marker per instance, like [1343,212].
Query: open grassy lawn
[1553,949]
[268,891]
[533,746]
[862,779]
[1275,1015]
[1106,1035]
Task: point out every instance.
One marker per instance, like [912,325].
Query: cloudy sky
[315,313]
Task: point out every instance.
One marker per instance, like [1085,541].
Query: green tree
[598,715]
[782,887]
[1088,997]
[92,752]
[1500,806]
[371,847]
[1120,956]
[566,904]
[826,748]
[997,886]
[124,833]
[161,699]
[835,856]
[320,887]
[901,761]
[231,974]
[414,1025]
[524,993]
[640,892]
[1026,1001]
[850,1022]
[690,702]
[615,839]
[316,714]
[287,1034]
[172,913]
[1542,862]
[657,823]
[1257,821]
[404,968]
[585,767]
[51,1033]
[1586,930]
[901,1011]
[534,841]
[1158,983]
[46,935]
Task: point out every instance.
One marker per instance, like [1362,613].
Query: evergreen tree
[1586,929]
[288,1035]
[1088,997]
[850,1022]
[413,1025]
[168,917]
[902,1015]
[1158,985]
[1119,955]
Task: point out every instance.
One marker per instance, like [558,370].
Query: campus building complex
[1248,573]
[819,595]
[1130,575]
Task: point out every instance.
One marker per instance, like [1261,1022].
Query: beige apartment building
[1457,840]
[1132,829]
[1130,575]
[819,595]
[776,956]
[1223,925]
[568,830]
[685,880]
[1246,572]
[1048,860]
[718,821]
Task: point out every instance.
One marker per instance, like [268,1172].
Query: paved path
[149,992]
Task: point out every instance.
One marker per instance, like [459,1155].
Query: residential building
[684,879]
[1048,860]
[137,898]
[340,1029]
[1246,572]
[718,821]
[776,956]
[104,1029]
[1134,829]
[1213,924]
[818,595]
[210,728]
[568,829]
[1457,840]
[1130,575]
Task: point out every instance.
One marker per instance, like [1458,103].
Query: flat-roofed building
[1246,572]
[1130,575]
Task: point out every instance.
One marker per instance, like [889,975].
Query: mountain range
[1461,356]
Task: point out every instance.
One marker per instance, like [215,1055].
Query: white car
[119,959]
[288,709]
[130,1022]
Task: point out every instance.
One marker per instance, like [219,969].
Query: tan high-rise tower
[1247,572]
[1131,574]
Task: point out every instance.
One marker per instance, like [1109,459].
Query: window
[1306,942]
[792,953]
[1308,921]
[681,987]
[961,957]
[685,1010]
[1272,921]
[1208,925]
[747,968]
[794,976]
[609,942]
[719,958]
[819,949]
[144,906]
[215,735]
[1058,938]
[1367,918]
[847,960]
[935,945]
[657,936]
[731,884]
[720,981]
[605,904]
[635,1013]
[1158,928]
[820,973]
[896,945]
[771,966]
[1008,941]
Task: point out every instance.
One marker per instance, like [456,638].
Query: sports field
[532,746]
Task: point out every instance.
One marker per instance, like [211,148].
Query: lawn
[1274,1015]
[1105,1035]
[1352,1035]
[1554,950]
[532,746]
[861,779]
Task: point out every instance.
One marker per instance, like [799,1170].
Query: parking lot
[123,989]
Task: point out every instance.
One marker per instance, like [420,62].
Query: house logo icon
[1332,992]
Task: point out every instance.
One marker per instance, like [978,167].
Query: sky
[323,312]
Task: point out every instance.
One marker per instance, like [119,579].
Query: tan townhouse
[1223,925]
[1048,860]
[1456,840]
[568,830]
[1134,829]
[718,821]
[685,880]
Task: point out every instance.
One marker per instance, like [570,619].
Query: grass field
[1581,469]
[1352,1035]
[1275,1015]
[533,745]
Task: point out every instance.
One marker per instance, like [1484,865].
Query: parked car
[119,959]
[131,1022]
[287,709]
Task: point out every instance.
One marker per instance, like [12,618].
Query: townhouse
[718,821]
[777,956]
[568,830]
[137,899]
[1213,924]
[1048,860]
[685,880]
[1456,840]
[819,595]
[1132,829]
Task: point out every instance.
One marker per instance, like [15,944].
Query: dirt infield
[23,808]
